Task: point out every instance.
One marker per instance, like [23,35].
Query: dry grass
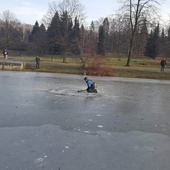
[100,65]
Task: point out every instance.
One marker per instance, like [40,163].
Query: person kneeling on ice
[91,86]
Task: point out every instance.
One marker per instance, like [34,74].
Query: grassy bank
[112,66]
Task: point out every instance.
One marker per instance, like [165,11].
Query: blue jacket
[89,83]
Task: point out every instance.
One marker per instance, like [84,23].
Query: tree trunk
[64,57]
[130,52]
[131,45]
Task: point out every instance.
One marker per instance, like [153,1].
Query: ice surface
[65,91]
[46,124]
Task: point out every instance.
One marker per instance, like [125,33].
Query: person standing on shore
[163,64]
[5,54]
[37,60]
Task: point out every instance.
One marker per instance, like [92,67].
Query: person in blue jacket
[91,86]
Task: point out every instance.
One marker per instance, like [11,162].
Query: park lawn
[136,63]
[139,67]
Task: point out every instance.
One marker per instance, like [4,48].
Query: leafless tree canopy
[134,13]
[8,17]
[73,7]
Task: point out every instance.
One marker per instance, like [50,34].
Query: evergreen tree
[82,37]
[106,34]
[75,45]
[152,46]
[60,34]
[163,43]
[100,44]
[157,39]
[92,27]
[42,41]
[150,49]
[37,39]
[54,35]
[34,31]
[66,32]
[168,43]
[92,39]
[143,38]
[169,34]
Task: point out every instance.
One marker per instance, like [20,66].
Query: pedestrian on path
[5,54]
[37,60]
[163,64]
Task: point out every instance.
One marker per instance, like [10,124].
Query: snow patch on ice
[100,126]
[38,160]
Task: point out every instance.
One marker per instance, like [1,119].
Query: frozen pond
[45,123]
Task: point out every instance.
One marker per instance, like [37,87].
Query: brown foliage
[97,66]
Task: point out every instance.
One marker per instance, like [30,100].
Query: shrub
[97,65]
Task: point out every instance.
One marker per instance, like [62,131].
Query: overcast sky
[29,11]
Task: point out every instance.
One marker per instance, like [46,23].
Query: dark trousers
[162,68]
[91,90]
[37,66]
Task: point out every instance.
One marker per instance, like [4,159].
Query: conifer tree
[37,39]
[75,45]
[54,35]
[92,39]
[82,38]
[143,37]
[106,33]
[163,42]
[34,31]
[42,40]
[150,46]
[168,43]
[100,44]
[66,32]
[169,34]
[157,39]
[59,33]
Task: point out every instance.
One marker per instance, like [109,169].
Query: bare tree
[118,34]
[9,18]
[8,27]
[25,30]
[135,12]
[73,8]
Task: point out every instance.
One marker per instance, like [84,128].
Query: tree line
[133,33]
